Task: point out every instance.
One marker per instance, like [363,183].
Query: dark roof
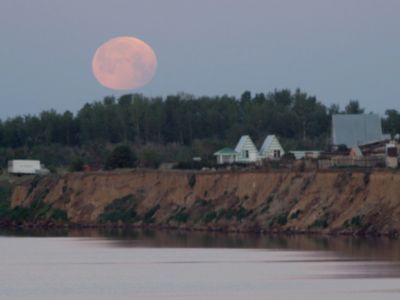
[351,130]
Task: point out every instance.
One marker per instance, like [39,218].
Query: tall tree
[391,123]
[353,108]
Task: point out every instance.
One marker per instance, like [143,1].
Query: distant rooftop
[356,129]
[226,151]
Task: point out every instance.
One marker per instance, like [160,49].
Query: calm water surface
[172,265]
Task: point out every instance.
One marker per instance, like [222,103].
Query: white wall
[23,166]
[246,144]
[268,152]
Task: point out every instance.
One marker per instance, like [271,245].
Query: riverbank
[330,202]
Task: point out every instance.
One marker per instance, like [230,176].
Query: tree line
[179,122]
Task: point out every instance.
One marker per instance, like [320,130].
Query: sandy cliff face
[343,202]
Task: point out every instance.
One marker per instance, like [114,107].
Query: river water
[174,265]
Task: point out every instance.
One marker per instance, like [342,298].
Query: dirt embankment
[335,202]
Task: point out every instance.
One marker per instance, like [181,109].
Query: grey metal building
[356,129]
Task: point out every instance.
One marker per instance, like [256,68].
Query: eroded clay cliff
[336,201]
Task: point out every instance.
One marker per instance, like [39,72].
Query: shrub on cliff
[38,213]
[149,158]
[5,194]
[289,156]
[77,165]
[149,215]
[121,157]
[120,209]
[180,215]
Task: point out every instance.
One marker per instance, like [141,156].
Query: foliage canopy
[201,124]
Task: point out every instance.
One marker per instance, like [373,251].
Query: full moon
[124,63]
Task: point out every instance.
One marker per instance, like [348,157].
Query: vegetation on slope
[37,212]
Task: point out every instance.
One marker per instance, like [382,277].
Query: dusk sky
[334,49]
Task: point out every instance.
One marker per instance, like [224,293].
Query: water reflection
[348,246]
[146,264]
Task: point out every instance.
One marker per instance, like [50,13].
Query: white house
[247,151]
[271,148]
[226,156]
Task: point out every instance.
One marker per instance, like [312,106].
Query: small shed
[271,148]
[247,151]
[226,156]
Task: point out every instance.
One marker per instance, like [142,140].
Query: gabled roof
[245,142]
[226,151]
[356,129]
[356,151]
[268,142]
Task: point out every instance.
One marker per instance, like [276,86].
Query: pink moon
[124,63]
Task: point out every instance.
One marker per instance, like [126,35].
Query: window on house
[391,151]
[277,153]
[246,153]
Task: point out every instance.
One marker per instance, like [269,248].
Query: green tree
[121,157]
[77,165]
[353,108]
[391,123]
[150,158]
[334,109]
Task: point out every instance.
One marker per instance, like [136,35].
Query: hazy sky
[334,49]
